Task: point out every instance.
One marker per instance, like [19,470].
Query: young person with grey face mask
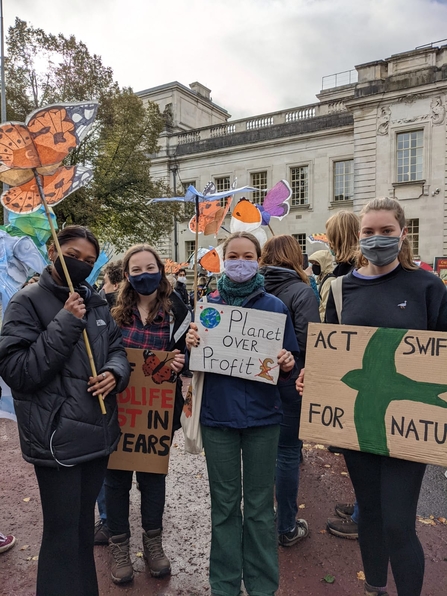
[241,419]
[388,290]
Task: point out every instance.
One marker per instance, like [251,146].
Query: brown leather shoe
[157,561]
[343,528]
[121,569]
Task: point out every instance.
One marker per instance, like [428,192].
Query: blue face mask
[145,283]
[240,270]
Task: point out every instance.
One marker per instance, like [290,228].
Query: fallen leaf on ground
[326,466]
[329,579]
[24,547]
[427,522]
[322,531]
[344,473]
[361,575]
[442,520]
[302,506]
[27,499]
[35,558]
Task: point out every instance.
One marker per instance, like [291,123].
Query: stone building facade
[383,135]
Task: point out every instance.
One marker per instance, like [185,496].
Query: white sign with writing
[238,342]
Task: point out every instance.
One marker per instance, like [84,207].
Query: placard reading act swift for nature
[378,390]
[145,414]
[238,342]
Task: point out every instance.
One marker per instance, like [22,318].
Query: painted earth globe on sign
[210,318]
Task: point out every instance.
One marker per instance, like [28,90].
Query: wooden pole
[196,252]
[70,283]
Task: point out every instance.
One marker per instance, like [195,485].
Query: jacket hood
[91,297]
[324,258]
[276,277]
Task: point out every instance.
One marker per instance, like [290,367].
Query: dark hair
[114,270]
[74,232]
[242,235]
[180,271]
[284,251]
[127,297]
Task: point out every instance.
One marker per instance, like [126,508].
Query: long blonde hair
[128,298]
[283,251]
[342,231]
[386,204]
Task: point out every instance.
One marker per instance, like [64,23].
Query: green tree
[42,69]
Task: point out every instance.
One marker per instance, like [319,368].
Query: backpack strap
[337,293]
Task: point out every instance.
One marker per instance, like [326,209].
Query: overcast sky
[256,56]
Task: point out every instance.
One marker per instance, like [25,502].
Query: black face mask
[316,269]
[78,270]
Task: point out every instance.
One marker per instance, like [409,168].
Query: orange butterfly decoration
[172,267]
[211,261]
[211,213]
[39,146]
[158,369]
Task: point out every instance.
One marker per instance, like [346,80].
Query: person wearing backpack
[322,267]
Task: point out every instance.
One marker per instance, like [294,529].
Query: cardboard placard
[238,342]
[440,266]
[377,390]
[145,414]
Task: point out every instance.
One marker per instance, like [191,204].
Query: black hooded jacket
[44,361]
[299,298]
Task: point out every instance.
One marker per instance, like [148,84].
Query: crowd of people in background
[254,425]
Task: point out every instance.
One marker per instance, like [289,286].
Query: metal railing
[346,77]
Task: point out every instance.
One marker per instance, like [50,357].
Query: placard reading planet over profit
[238,342]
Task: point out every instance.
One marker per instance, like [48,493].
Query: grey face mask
[380,250]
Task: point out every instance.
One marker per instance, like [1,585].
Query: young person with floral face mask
[62,430]
[151,316]
[242,417]
[388,290]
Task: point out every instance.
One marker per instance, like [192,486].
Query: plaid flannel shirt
[155,336]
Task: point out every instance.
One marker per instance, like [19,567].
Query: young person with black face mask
[151,316]
[388,290]
[240,421]
[62,430]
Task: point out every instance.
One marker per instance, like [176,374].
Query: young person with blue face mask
[151,316]
[388,290]
[240,417]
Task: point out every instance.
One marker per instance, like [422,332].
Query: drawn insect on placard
[158,370]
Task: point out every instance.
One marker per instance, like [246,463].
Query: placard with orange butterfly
[39,146]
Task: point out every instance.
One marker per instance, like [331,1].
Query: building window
[258,180]
[413,234]
[222,184]
[188,183]
[190,247]
[344,180]
[410,147]
[299,183]
[301,239]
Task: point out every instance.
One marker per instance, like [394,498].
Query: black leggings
[66,563]
[387,491]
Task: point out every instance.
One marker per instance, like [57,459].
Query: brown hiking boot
[121,570]
[370,591]
[157,561]
[343,528]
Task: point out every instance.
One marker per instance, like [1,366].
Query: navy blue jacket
[232,402]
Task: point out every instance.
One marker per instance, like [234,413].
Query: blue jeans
[101,502]
[355,515]
[242,545]
[288,460]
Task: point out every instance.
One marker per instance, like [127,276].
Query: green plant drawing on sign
[378,384]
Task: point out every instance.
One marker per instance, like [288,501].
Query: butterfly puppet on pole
[31,155]
[251,217]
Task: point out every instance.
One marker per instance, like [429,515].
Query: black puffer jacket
[299,298]
[44,361]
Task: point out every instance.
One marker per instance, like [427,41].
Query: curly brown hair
[128,298]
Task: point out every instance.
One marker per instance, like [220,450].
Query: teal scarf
[234,293]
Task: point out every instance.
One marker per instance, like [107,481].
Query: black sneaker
[102,533]
[301,531]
